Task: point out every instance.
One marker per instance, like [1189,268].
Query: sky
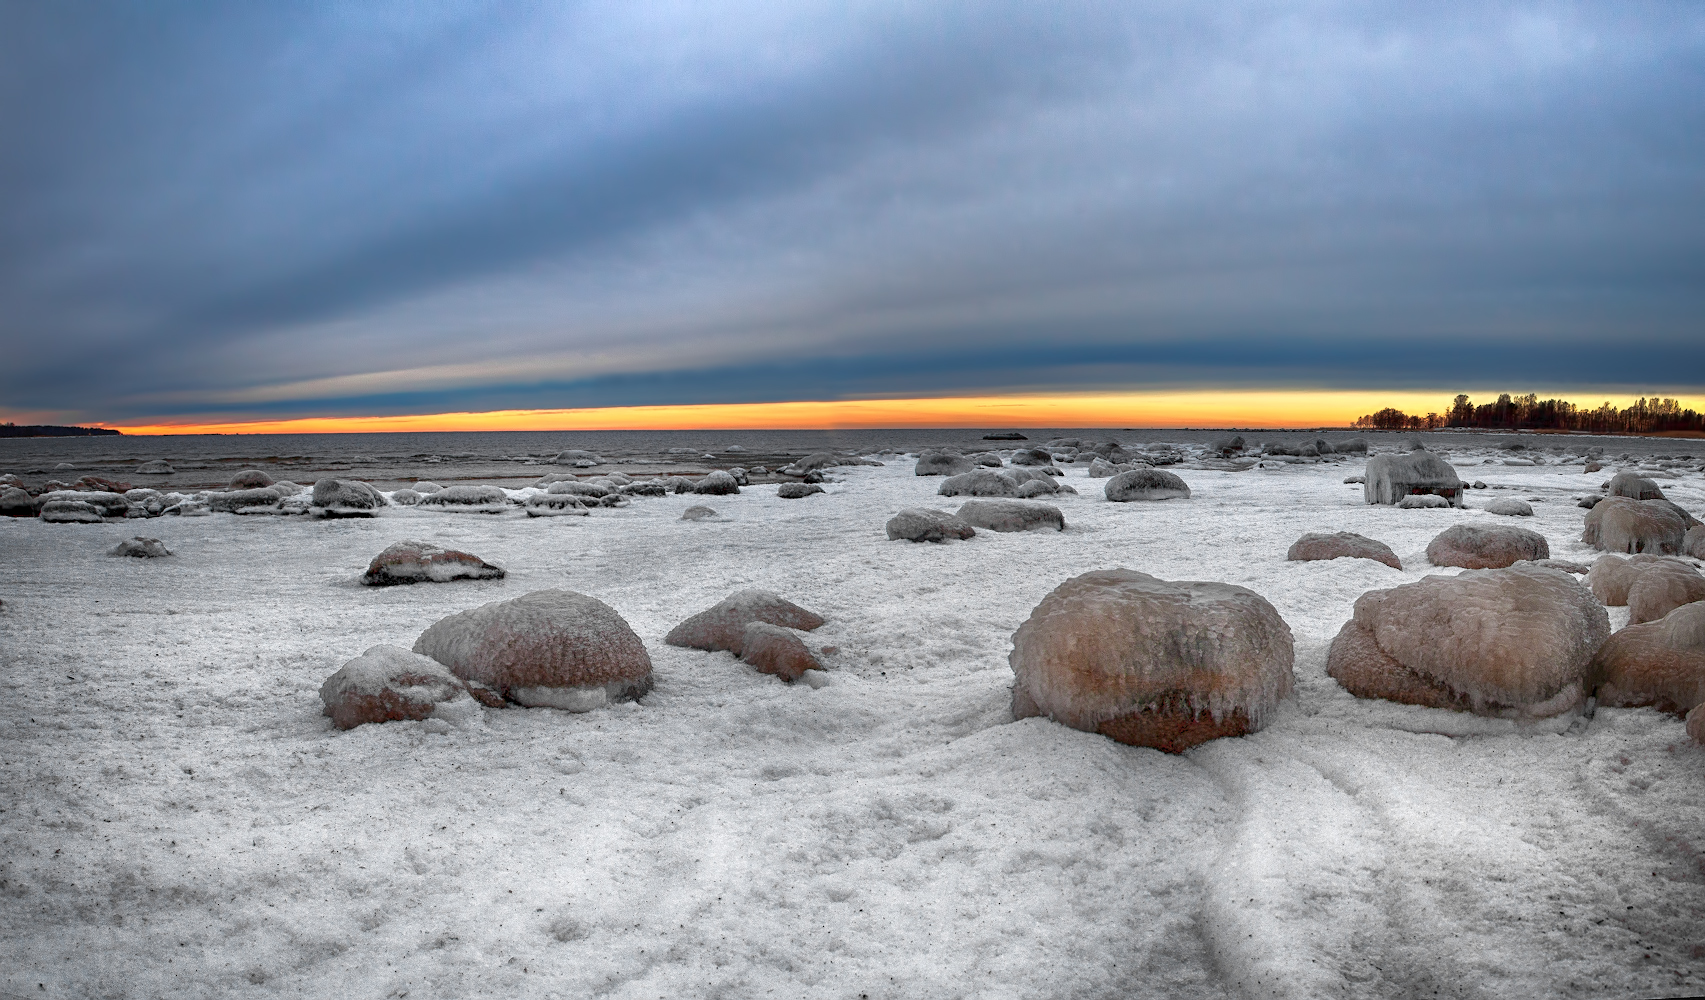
[228,213]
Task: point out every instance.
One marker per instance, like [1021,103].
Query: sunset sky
[222,214]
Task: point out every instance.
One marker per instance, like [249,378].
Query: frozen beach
[179,818]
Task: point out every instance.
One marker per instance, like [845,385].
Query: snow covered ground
[180,820]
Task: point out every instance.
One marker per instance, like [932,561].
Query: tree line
[1647,416]
[11,430]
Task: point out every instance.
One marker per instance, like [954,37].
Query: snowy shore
[179,818]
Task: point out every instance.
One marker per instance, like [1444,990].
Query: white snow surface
[180,820]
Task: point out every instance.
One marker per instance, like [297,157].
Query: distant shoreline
[54,431]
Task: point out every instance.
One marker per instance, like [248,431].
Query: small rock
[717,483]
[723,626]
[1316,546]
[797,491]
[348,494]
[140,548]
[249,479]
[771,649]
[70,512]
[16,502]
[391,684]
[1422,501]
[1145,484]
[423,562]
[925,524]
[942,463]
[1011,515]
[1509,507]
[1473,546]
[698,513]
[158,467]
[473,499]
[979,483]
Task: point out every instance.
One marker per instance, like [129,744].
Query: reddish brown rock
[1612,575]
[1316,546]
[388,684]
[724,626]
[771,649]
[1619,524]
[422,562]
[1474,546]
[1661,588]
[1661,664]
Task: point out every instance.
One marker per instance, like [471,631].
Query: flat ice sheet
[180,820]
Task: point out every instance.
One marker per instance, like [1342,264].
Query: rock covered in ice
[926,524]
[942,463]
[140,548]
[1422,501]
[547,649]
[723,626]
[423,562]
[576,456]
[698,513]
[797,491]
[1612,575]
[1621,524]
[556,505]
[1341,545]
[481,499]
[391,684]
[978,483]
[1509,507]
[1559,564]
[1011,515]
[1390,478]
[1145,484]
[1693,543]
[110,504]
[232,501]
[70,512]
[1511,642]
[158,467]
[405,497]
[1031,456]
[1227,445]
[249,479]
[771,649]
[717,483]
[351,494]
[1659,663]
[1151,662]
[1475,546]
[574,488]
[1661,587]
[16,502]
[425,486]
[1634,487]
[985,459]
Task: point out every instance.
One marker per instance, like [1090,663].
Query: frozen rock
[1032,456]
[1611,576]
[1659,663]
[1227,445]
[1692,543]
[547,649]
[1661,587]
[15,502]
[70,512]
[1151,662]
[575,456]
[249,479]
[979,483]
[942,463]
[390,684]
[985,459]
[1474,546]
[1011,515]
[1511,642]
[405,497]
[1509,507]
[698,513]
[1688,519]
[140,548]
[771,649]
[1037,488]
[556,505]
[1341,545]
[233,501]
[1621,524]
[1348,480]
[348,494]
[926,524]
[476,499]
[717,483]
[158,467]
[1390,478]
[110,504]
[797,491]
[724,626]
[1627,484]
[573,488]
[1422,501]
[1145,484]
[423,562]
[426,486]
[645,490]
[1358,446]
[1559,564]
[1100,468]
[739,476]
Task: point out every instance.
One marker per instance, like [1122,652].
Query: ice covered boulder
[1512,642]
[724,626]
[232,501]
[1100,468]
[797,491]
[1621,524]
[474,499]
[979,483]
[1474,546]
[249,479]
[158,467]
[650,489]
[110,504]
[425,486]
[1661,587]
[1358,446]
[1341,545]
[1422,501]
[1145,484]
[698,513]
[140,548]
[1011,515]
[1627,484]
[926,524]
[1560,564]
[1227,445]
[16,502]
[985,459]
[405,497]
[942,463]
[1151,662]
[1032,456]
[547,649]
[574,488]
[771,649]
[1509,507]
[347,494]
[1390,478]
[70,512]
[1612,575]
[1659,663]
[423,562]
[391,684]
[556,505]
[1692,543]
[578,458]
[717,483]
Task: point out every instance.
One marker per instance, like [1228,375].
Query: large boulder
[547,649]
[140,548]
[1620,524]
[70,512]
[1032,456]
[797,491]
[463,497]
[1692,543]
[574,488]
[717,483]
[1145,484]
[1661,588]
[556,505]
[1509,507]
[391,684]
[771,649]
[1660,663]
[17,502]
[1011,515]
[110,504]
[942,463]
[1476,546]
[1390,478]
[1612,575]
[979,483]
[423,562]
[724,626]
[1150,662]
[1341,545]
[1512,642]
[1627,484]
[926,524]
[233,501]
[1226,446]
[249,479]
[348,494]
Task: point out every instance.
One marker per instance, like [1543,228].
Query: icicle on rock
[1660,663]
[1627,484]
[723,626]
[391,684]
[550,648]
[1494,546]
[1151,662]
[1390,478]
[1512,642]
[1341,545]
[423,562]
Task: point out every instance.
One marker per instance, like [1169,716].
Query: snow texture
[424,562]
[1485,546]
[1620,524]
[1659,663]
[927,524]
[723,626]
[1011,515]
[1316,546]
[1390,478]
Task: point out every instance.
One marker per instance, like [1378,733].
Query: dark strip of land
[50,431]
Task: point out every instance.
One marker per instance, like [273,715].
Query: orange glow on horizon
[1193,408]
